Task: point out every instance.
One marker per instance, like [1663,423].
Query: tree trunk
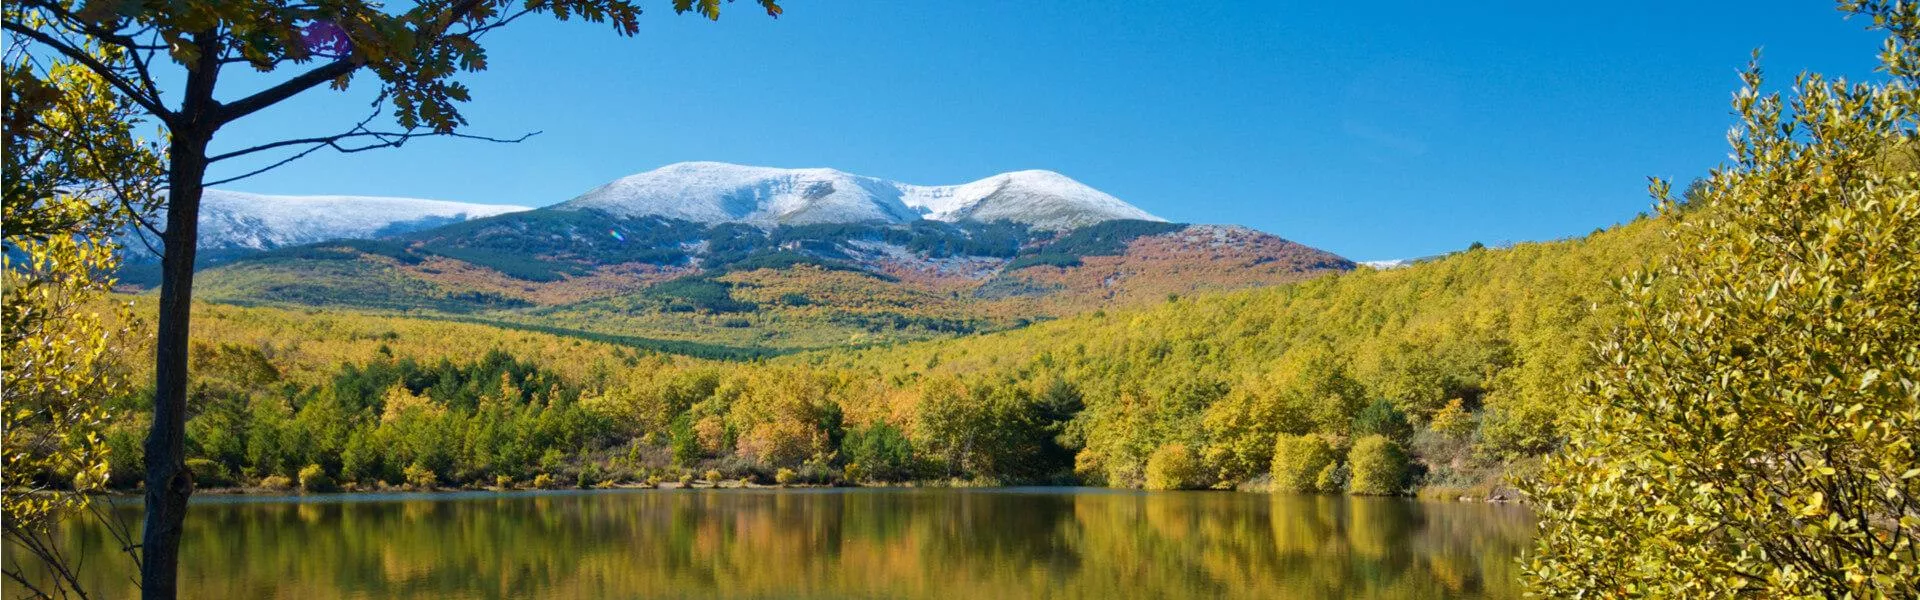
[169,484]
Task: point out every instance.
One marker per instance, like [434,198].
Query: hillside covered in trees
[732,290]
[1444,375]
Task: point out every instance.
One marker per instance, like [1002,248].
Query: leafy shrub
[1379,466]
[1453,420]
[419,477]
[1332,479]
[126,455]
[683,441]
[503,482]
[882,452]
[543,481]
[1173,467]
[1382,418]
[278,483]
[713,476]
[817,471]
[208,474]
[785,476]
[1089,466]
[589,475]
[686,479]
[313,478]
[1299,463]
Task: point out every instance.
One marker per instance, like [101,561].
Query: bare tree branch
[388,139]
[476,32]
[121,531]
[48,553]
[13,573]
[140,66]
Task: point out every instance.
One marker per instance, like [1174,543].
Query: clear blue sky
[1378,131]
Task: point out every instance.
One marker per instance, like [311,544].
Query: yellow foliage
[1453,420]
[1752,431]
[1173,467]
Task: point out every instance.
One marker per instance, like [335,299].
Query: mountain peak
[1043,199]
[718,192]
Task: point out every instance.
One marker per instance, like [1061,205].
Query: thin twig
[388,140]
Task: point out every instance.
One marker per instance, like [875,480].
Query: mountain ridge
[709,193]
[244,221]
[717,192]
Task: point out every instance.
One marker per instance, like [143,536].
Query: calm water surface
[1001,543]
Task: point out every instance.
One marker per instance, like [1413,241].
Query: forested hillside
[1464,361]
[1457,365]
[732,290]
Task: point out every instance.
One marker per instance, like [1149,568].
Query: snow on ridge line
[714,192]
[374,205]
[241,220]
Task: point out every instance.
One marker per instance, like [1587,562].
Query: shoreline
[295,493]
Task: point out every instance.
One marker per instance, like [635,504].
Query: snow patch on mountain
[709,192]
[242,221]
[1388,264]
[714,192]
[1398,263]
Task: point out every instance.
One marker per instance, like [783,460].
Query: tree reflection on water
[1006,543]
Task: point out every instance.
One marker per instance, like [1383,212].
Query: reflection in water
[1048,543]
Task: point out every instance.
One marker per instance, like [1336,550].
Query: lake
[831,543]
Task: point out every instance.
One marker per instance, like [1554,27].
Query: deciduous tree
[72,162]
[415,53]
[1752,431]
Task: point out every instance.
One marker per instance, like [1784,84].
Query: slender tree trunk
[169,484]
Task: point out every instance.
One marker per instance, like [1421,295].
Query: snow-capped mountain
[669,242]
[714,192]
[242,221]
